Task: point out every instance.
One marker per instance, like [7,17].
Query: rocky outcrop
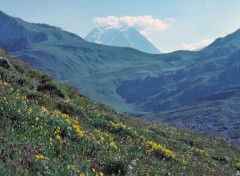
[5,62]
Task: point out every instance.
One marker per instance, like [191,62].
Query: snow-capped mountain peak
[123,37]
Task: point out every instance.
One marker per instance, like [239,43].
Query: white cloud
[197,45]
[144,24]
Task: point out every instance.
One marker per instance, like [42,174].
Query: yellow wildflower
[201,151]
[50,139]
[112,144]
[58,137]
[37,119]
[155,147]
[72,167]
[39,156]
[57,130]
[29,110]
[43,110]
[68,121]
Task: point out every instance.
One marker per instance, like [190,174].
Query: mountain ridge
[174,60]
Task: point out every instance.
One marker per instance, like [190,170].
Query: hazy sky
[169,24]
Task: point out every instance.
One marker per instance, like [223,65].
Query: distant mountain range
[123,37]
[136,82]
[216,113]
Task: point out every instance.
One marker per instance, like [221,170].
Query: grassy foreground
[48,128]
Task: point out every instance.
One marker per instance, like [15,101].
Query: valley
[135,82]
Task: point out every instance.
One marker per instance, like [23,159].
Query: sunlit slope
[49,128]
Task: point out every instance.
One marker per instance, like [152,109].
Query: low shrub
[33,96]
[44,79]
[115,167]
[52,89]
[69,108]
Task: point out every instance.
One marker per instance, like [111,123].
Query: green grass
[48,128]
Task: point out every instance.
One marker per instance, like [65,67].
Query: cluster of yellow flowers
[97,174]
[22,98]
[73,167]
[58,137]
[74,123]
[39,157]
[117,125]
[30,110]
[200,151]
[123,127]
[78,130]
[105,137]
[113,145]
[50,141]
[58,130]
[37,119]
[101,114]
[43,110]
[5,99]
[236,162]
[153,147]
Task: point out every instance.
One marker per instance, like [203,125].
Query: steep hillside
[123,37]
[48,128]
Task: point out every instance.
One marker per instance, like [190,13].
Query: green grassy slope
[48,128]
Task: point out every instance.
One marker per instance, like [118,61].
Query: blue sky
[169,24]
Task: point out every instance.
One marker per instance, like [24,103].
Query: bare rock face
[4,62]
